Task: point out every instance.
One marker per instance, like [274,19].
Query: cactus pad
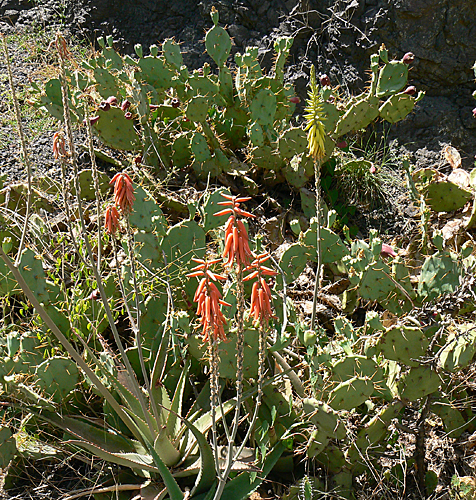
[199,147]
[172,54]
[263,107]
[440,274]
[197,109]
[154,72]
[351,393]
[446,196]
[392,77]
[227,354]
[218,45]
[418,382]
[57,377]
[292,142]
[116,131]
[460,348]
[8,447]
[403,344]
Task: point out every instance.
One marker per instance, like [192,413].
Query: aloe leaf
[133,460]
[67,345]
[165,449]
[241,487]
[206,475]
[128,398]
[156,388]
[204,423]
[173,426]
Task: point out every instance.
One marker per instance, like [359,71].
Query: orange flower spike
[123,192]
[111,220]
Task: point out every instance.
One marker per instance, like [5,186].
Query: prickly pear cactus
[57,377]
[403,344]
[8,447]
[351,393]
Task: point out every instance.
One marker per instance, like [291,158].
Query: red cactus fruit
[410,90]
[325,80]
[112,100]
[125,105]
[408,58]
[104,106]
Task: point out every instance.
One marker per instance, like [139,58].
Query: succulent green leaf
[116,131]
[403,344]
[446,196]
[197,109]
[8,447]
[172,54]
[263,107]
[218,45]
[460,348]
[418,382]
[392,77]
[351,393]
[57,376]
[440,274]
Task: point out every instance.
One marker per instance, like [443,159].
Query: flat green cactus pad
[440,274]
[292,142]
[263,107]
[460,348]
[116,131]
[351,393]
[292,262]
[197,109]
[182,154]
[199,147]
[397,107]
[295,172]
[155,73]
[57,377]
[218,45]
[172,54]
[357,117]
[8,447]
[418,382]
[146,214]
[403,344]
[86,184]
[445,196]
[392,77]
[324,417]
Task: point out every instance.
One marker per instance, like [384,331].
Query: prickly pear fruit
[408,58]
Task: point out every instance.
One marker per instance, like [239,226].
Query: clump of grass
[366,173]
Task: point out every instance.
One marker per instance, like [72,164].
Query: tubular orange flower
[208,299]
[123,192]
[261,299]
[237,247]
[59,147]
[111,222]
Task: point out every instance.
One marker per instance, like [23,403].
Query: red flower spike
[59,146]
[111,220]
[261,298]
[123,192]
[208,299]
